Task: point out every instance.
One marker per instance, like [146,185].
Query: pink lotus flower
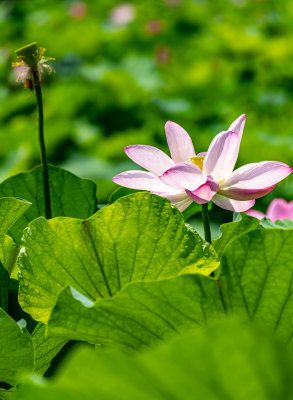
[279,209]
[209,176]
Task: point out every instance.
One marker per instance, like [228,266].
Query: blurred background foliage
[124,68]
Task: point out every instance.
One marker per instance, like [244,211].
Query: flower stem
[206,223]
[38,91]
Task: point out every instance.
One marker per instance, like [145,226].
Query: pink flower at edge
[279,209]
[209,176]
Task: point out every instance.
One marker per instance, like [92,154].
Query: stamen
[198,161]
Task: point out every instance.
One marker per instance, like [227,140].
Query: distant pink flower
[153,27]
[279,209]
[209,176]
[78,10]
[172,3]
[162,55]
[122,14]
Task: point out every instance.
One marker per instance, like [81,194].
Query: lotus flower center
[198,161]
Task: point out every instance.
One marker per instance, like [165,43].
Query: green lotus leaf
[139,237]
[16,350]
[70,196]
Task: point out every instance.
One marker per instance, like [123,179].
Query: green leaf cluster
[133,279]
[71,196]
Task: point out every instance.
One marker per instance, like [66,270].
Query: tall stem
[206,223]
[42,146]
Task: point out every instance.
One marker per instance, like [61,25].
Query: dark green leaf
[120,192]
[6,394]
[8,255]
[11,209]
[4,282]
[70,196]
[257,278]
[233,230]
[45,348]
[16,350]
